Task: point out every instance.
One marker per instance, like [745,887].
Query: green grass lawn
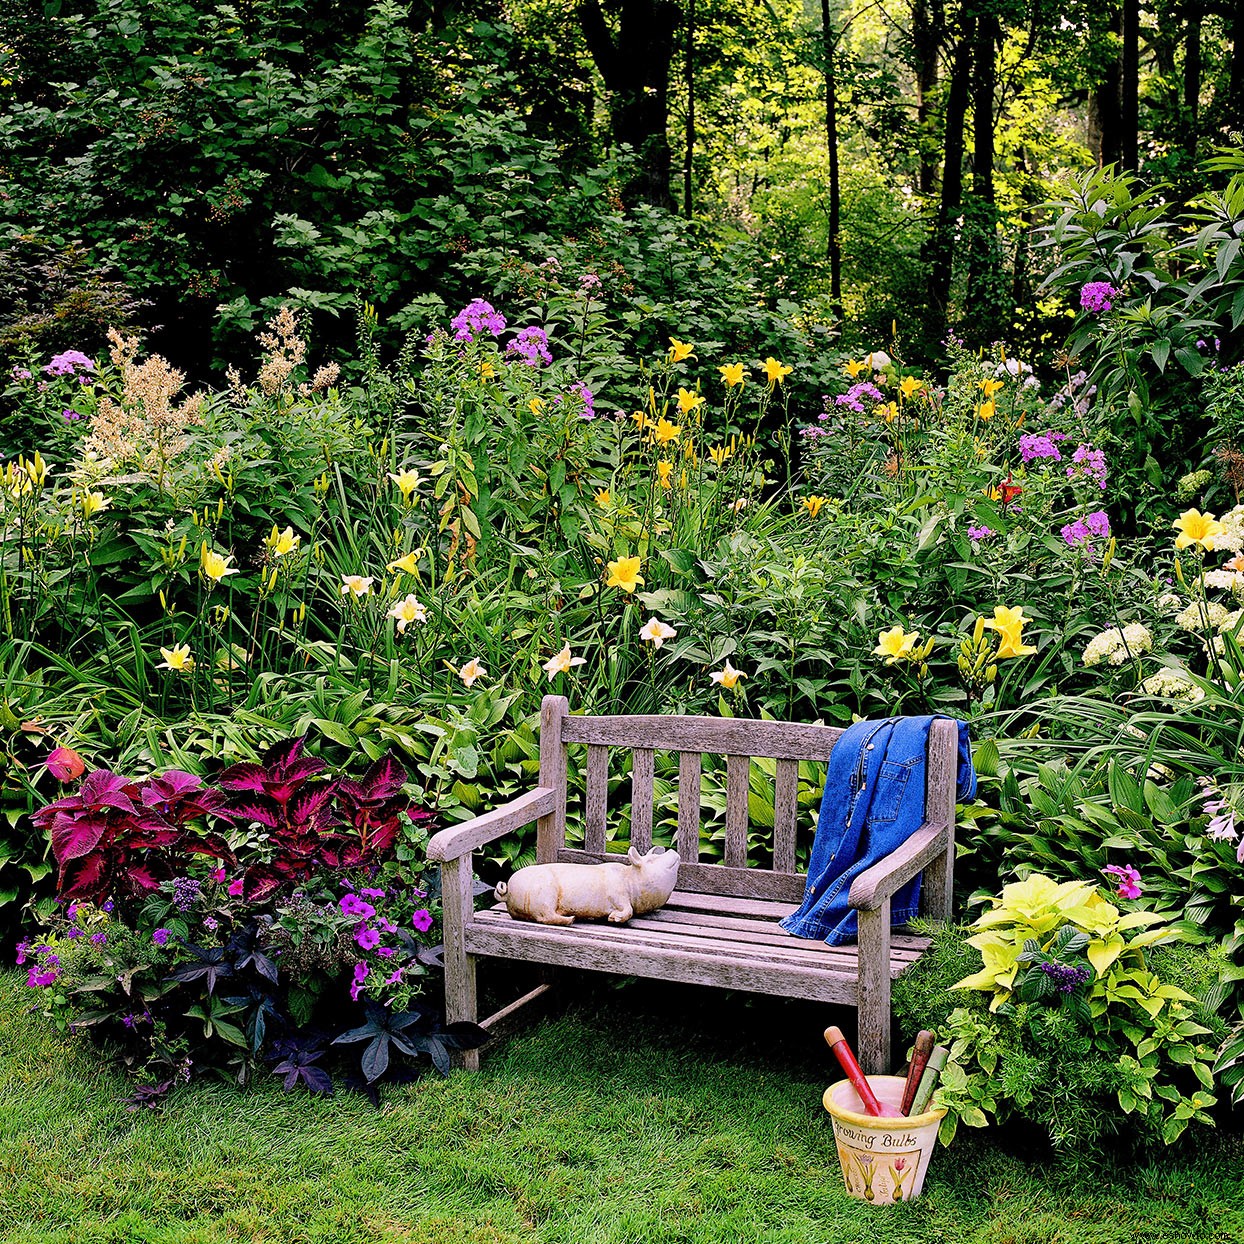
[601,1125]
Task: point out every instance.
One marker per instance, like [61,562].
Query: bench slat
[718,880]
[597,799]
[688,843]
[723,967]
[721,736]
[737,770]
[641,798]
[785,815]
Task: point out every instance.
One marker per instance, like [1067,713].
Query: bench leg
[458,910]
[874,990]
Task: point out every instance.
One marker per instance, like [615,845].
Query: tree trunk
[942,244]
[984,290]
[1234,113]
[1192,79]
[1104,122]
[927,35]
[834,242]
[1129,88]
[635,65]
[688,167]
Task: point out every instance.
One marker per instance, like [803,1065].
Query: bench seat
[698,939]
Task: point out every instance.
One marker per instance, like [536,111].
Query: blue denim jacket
[872,803]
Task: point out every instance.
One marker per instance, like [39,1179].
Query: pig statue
[558,893]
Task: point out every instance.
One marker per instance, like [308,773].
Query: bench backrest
[738,740]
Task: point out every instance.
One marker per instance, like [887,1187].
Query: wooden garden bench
[720,926]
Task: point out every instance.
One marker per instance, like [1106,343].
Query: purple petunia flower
[372,893]
[1127,877]
[23,949]
[67,364]
[367,937]
[387,925]
[386,952]
[352,905]
[1096,296]
[109,905]
[160,937]
[422,920]
[477,316]
[532,346]
[395,979]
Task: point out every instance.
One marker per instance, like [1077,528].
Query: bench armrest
[874,886]
[460,840]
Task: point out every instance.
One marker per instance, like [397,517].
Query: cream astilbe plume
[285,351]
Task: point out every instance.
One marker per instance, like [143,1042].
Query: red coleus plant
[313,821]
[115,836]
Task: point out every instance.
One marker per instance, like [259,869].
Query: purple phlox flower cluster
[477,316]
[588,398]
[552,264]
[980,532]
[361,973]
[1037,445]
[352,905]
[1088,463]
[161,936]
[811,431]
[21,373]
[853,397]
[1096,296]
[589,281]
[1082,532]
[70,416]
[67,364]
[422,920]
[1067,978]
[532,346]
[1127,878]
[186,892]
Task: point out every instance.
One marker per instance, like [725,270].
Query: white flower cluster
[1202,613]
[1115,646]
[1169,602]
[1233,537]
[1225,580]
[1173,684]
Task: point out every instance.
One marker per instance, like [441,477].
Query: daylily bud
[1179,574]
[1108,556]
[991,673]
[979,631]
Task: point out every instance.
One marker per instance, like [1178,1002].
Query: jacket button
[870,747]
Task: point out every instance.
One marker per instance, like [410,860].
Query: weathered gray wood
[457,916]
[785,815]
[597,798]
[880,881]
[941,789]
[729,905]
[504,1021]
[551,828]
[716,878]
[688,842]
[641,798]
[873,999]
[737,769]
[585,948]
[470,835]
[722,736]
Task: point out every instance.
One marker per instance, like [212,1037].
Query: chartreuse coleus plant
[1068,1026]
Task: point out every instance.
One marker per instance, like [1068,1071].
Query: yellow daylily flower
[853,368]
[404,612]
[910,386]
[986,411]
[471,671]
[355,585]
[641,420]
[775,372]
[688,401]
[895,644]
[176,658]
[283,542]
[680,350]
[603,499]
[731,373]
[665,431]
[215,565]
[92,503]
[813,505]
[655,632]
[727,677]
[887,411]
[408,563]
[624,573]
[664,470]
[721,454]
[536,405]
[561,663]
[989,387]
[1009,623]
[1197,528]
[407,480]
